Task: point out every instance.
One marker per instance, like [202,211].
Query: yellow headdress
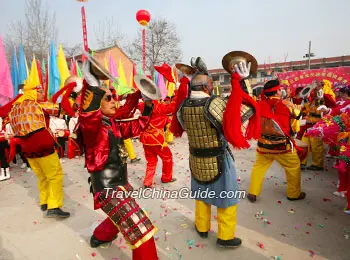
[327,88]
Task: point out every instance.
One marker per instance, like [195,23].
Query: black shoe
[94,242]
[314,168]
[232,243]
[135,160]
[301,197]
[172,180]
[201,234]
[302,167]
[251,197]
[43,207]
[57,213]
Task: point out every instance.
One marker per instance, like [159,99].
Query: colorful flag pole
[78,70]
[14,73]
[62,66]
[54,75]
[6,88]
[22,66]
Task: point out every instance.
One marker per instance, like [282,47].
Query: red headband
[269,90]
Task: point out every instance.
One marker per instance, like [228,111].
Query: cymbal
[234,57]
[185,69]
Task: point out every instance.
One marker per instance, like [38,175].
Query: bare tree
[71,51]
[35,32]
[162,45]
[108,33]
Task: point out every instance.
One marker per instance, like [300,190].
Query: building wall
[117,55]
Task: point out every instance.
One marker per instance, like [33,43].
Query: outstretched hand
[243,69]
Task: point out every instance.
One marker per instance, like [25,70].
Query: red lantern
[143,17]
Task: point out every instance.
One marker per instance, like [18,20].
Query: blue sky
[268,29]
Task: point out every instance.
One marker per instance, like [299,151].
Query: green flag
[78,70]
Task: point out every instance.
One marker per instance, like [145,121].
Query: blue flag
[14,73]
[54,74]
[22,66]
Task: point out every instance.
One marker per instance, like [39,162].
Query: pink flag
[112,67]
[6,88]
[162,86]
[73,68]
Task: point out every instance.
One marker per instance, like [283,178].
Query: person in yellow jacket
[320,96]
[38,144]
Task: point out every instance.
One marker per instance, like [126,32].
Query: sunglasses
[110,97]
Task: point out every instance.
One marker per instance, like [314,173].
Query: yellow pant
[48,169]
[169,137]
[290,163]
[129,148]
[316,149]
[226,220]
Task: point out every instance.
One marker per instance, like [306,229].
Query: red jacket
[95,133]
[154,133]
[336,111]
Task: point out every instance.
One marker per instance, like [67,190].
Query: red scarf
[232,122]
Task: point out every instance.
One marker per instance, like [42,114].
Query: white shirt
[8,129]
[57,124]
[72,123]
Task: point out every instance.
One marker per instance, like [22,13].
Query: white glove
[243,69]
[345,108]
[79,86]
[322,107]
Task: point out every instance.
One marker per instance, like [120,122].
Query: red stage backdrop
[301,78]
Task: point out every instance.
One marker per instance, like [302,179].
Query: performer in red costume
[106,163]
[153,140]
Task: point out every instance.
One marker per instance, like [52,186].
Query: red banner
[83,17]
[301,78]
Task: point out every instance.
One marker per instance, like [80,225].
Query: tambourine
[63,133]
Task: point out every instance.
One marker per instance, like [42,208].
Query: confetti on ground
[297,226]
[312,253]
[326,199]
[277,257]
[309,224]
[292,211]
[178,253]
[307,233]
[156,238]
[346,236]
[190,243]
[261,245]
[115,258]
[320,225]
[279,202]
[93,254]
[184,226]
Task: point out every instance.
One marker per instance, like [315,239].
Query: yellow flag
[106,67]
[171,86]
[33,79]
[121,73]
[62,66]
